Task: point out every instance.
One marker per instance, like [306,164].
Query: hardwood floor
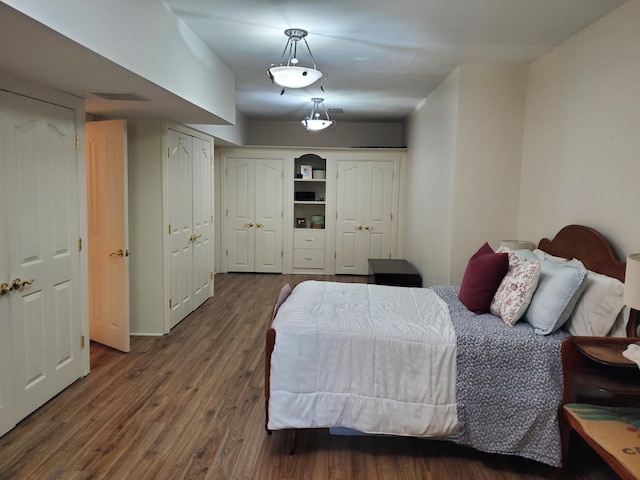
[191,405]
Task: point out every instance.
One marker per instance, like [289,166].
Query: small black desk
[395,272]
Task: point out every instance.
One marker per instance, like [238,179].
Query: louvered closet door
[179,217]
[202,208]
[40,184]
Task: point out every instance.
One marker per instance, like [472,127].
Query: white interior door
[268,227]
[41,179]
[350,219]
[202,283]
[179,208]
[240,201]
[7,403]
[108,229]
[378,207]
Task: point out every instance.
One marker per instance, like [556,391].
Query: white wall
[463,174]
[126,31]
[581,153]
[430,181]
[343,134]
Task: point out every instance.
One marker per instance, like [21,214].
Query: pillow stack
[545,291]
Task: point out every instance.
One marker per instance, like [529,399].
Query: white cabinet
[308,249]
[42,265]
[253,213]
[170,223]
[366,205]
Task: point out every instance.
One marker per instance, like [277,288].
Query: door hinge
[169,229]
[81,342]
[210,275]
[227,252]
[211,218]
[281,253]
[77,142]
[168,152]
[392,216]
[80,244]
[170,304]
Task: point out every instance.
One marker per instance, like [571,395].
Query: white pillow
[514,294]
[558,290]
[598,306]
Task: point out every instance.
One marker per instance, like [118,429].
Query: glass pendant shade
[287,73]
[313,122]
[294,77]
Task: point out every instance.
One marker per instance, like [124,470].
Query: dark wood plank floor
[190,405]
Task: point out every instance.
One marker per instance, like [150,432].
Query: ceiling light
[287,73]
[313,122]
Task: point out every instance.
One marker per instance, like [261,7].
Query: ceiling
[382,58]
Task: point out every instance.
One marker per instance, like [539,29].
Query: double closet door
[254,214]
[364,220]
[170,223]
[41,291]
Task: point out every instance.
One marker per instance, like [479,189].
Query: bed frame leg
[293,441]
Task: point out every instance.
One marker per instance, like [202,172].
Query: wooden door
[268,208]
[240,201]
[179,215]
[350,221]
[41,181]
[202,283]
[108,231]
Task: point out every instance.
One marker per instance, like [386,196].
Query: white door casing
[108,233]
[43,225]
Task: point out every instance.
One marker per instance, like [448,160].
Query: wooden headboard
[588,246]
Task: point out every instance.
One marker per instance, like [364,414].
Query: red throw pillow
[482,278]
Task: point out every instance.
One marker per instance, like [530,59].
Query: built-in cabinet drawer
[308,258]
[308,238]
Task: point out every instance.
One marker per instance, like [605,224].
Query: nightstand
[395,272]
[601,401]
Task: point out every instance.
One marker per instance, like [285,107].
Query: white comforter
[373,358]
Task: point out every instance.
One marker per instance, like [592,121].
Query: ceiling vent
[121,97]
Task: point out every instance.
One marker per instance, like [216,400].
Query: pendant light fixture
[313,122]
[287,73]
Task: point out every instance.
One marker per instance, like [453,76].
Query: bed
[421,362]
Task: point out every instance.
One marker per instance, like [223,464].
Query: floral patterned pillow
[516,289]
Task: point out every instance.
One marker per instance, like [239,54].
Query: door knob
[367,227]
[259,225]
[117,253]
[4,288]
[17,284]
[250,224]
[358,227]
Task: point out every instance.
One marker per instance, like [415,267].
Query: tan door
[108,233]
[43,229]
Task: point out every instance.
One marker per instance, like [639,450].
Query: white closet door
[378,206]
[202,208]
[179,216]
[364,208]
[350,220]
[41,181]
[240,200]
[268,228]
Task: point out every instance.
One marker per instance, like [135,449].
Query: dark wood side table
[596,373]
[395,272]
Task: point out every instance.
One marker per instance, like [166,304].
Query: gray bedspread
[509,384]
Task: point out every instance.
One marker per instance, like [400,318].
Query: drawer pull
[308,258]
[308,239]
